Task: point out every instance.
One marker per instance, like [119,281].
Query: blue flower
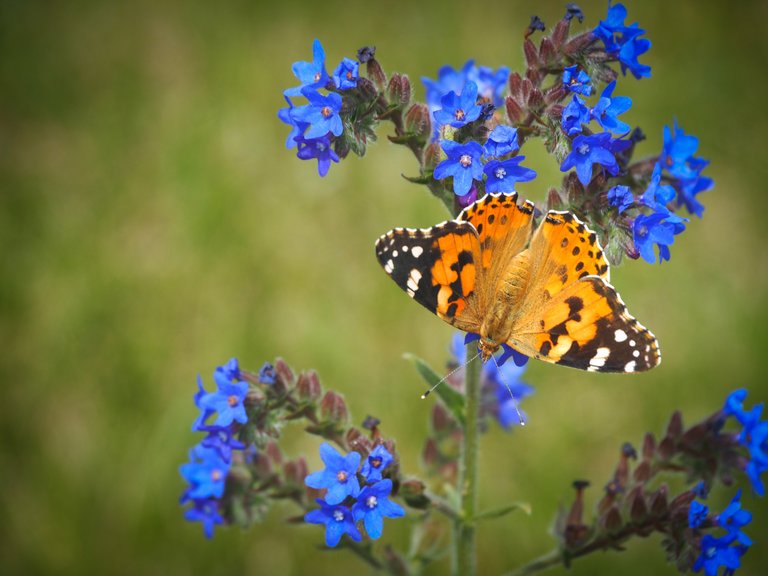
[587,151]
[231,369]
[227,400]
[650,229]
[677,153]
[317,148]
[322,114]
[608,108]
[577,80]
[376,463]
[222,439]
[507,351]
[206,473]
[339,476]
[374,505]
[346,74]
[688,189]
[267,374]
[753,436]
[734,518]
[297,128]
[502,140]
[575,114]
[338,521]
[628,54]
[621,197]
[463,163]
[310,74]
[717,553]
[623,41]
[701,490]
[459,110]
[207,512]
[657,196]
[502,174]
[697,514]
[490,84]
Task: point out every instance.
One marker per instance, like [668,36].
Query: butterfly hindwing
[436,267]
[587,326]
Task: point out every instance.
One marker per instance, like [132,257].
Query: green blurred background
[154,225]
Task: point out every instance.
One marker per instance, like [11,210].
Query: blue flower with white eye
[609,107]
[373,505]
[378,461]
[463,163]
[321,114]
[458,110]
[228,400]
[501,175]
[311,74]
[339,476]
[588,151]
[338,521]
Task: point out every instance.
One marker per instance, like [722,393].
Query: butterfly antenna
[514,400]
[451,373]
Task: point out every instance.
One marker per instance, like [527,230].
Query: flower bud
[531,54]
[371,423]
[399,90]
[638,509]
[308,387]
[358,441]
[376,74]
[413,492]
[643,471]
[432,156]
[333,408]
[417,121]
[514,111]
[547,52]
[554,201]
[295,471]
[556,94]
[579,42]
[659,501]
[560,33]
[515,85]
[577,508]
[285,379]
[649,446]
[675,426]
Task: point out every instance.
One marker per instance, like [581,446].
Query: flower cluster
[753,436]
[210,460]
[345,503]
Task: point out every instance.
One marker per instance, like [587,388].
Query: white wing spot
[405,248]
[417,251]
[413,280]
[394,254]
[632,343]
[389,266]
[410,292]
[620,335]
[629,366]
[636,353]
[601,354]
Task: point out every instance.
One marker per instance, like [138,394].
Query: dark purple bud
[555,94]
[366,53]
[638,509]
[531,54]
[612,521]
[573,11]
[629,451]
[666,448]
[295,471]
[643,471]
[675,426]
[413,492]
[535,99]
[333,408]
[366,89]
[536,24]
[358,441]
[285,378]
[431,453]
[547,52]
[560,33]
[399,90]
[660,501]
[375,73]
[371,423]
[515,85]
[682,500]
[578,43]
[649,446]
[417,121]
[514,111]
[577,508]
[554,201]
[308,387]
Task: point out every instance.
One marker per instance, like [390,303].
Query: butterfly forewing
[436,267]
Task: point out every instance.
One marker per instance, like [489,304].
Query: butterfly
[545,293]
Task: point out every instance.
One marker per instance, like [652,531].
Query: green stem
[548,560]
[465,541]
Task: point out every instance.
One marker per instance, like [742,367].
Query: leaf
[452,399]
[504,510]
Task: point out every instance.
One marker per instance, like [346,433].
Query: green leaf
[504,510]
[452,399]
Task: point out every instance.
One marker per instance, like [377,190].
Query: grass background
[153,225]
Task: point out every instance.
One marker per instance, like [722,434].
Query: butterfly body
[546,292]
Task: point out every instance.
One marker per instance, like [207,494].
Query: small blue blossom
[501,141]
[690,188]
[490,84]
[231,369]
[657,196]
[322,114]
[621,197]
[501,175]
[338,521]
[697,514]
[228,400]
[339,476]
[678,151]
[608,108]
[222,439]
[206,473]
[701,490]
[317,148]
[507,352]
[587,151]
[616,36]
[459,110]
[376,463]
[373,505]
[207,512]
[346,74]
[577,80]
[753,436]
[575,114]
[717,553]
[310,74]
[267,374]
[628,54]
[650,229]
[734,518]
[463,163]
[297,128]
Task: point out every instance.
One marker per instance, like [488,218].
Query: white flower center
[465,160]
[500,173]
[583,149]
[371,502]
[338,515]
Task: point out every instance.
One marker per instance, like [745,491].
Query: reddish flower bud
[308,387]
[547,52]
[659,501]
[295,471]
[399,90]
[417,121]
[413,492]
[285,378]
[333,408]
[577,508]
[649,446]
[643,472]
[638,509]
[375,73]
[531,54]
[560,33]
[675,426]
[358,441]
[514,111]
[611,521]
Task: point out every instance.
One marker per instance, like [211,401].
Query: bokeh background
[153,225]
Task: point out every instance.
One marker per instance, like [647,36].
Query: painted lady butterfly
[550,300]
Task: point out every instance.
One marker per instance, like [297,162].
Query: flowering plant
[467,137]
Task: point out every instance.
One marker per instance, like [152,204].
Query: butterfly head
[488,348]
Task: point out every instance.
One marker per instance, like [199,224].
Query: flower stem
[465,542]
[548,560]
